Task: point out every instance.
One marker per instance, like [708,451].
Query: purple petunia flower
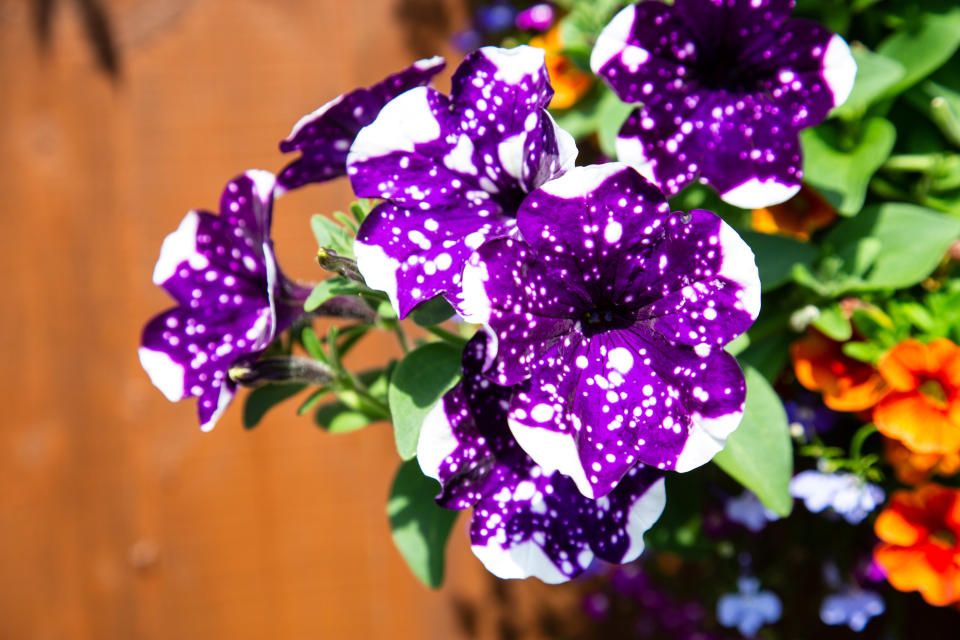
[853,607]
[747,510]
[232,298]
[527,520]
[725,87]
[539,17]
[617,310]
[324,136]
[750,608]
[453,171]
[845,493]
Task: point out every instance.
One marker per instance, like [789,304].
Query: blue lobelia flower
[749,608]
[845,493]
[232,299]
[527,520]
[853,607]
[617,310]
[324,136]
[747,510]
[724,86]
[453,171]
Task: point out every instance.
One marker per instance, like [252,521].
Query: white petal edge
[613,39]
[554,451]
[630,151]
[223,401]
[270,262]
[566,146]
[436,442]
[473,304]
[179,247]
[426,64]
[740,265]
[643,514]
[580,182]
[264,183]
[165,374]
[311,117]
[839,69]
[513,65]
[378,270]
[405,121]
[706,438]
[756,193]
[521,560]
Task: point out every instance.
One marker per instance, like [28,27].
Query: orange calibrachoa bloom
[799,216]
[846,384]
[915,468]
[922,409]
[569,82]
[920,542]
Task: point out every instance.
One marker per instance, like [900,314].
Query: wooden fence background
[118,518]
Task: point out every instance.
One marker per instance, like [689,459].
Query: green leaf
[418,526]
[611,114]
[330,235]
[834,323]
[264,398]
[922,47]
[876,75]
[841,169]
[331,288]
[776,256]
[758,454]
[912,240]
[337,417]
[417,384]
[432,312]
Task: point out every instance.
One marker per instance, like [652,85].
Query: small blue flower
[845,493]
[750,608]
[853,607]
[746,509]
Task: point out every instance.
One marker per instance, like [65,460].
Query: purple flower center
[603,318]
[720,69]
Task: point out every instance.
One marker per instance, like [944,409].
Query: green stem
[856,443]
[448,336]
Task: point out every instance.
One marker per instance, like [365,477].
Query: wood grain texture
[118,518]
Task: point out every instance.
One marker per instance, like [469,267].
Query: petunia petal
[527,521]
[324,136]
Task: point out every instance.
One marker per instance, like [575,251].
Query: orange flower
[569,82]
[914,468]
[846,384]
[799,216]
[922,409]
[920,542]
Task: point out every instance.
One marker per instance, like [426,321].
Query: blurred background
[118,517]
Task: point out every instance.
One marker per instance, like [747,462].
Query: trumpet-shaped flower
[527,520]
[725,86]
[232,299]
[618,311]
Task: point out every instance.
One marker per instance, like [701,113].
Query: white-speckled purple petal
[324,136]
[232,298]
[725,88]
[527,521]
[443,160]
[616,310]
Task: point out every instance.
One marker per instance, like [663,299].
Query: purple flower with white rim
[750,608]
[324,136]
[845,493]
[747,510]
[453,171]
[527,520]
[724,86]
[853,607]
[617,310]
[232,298]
